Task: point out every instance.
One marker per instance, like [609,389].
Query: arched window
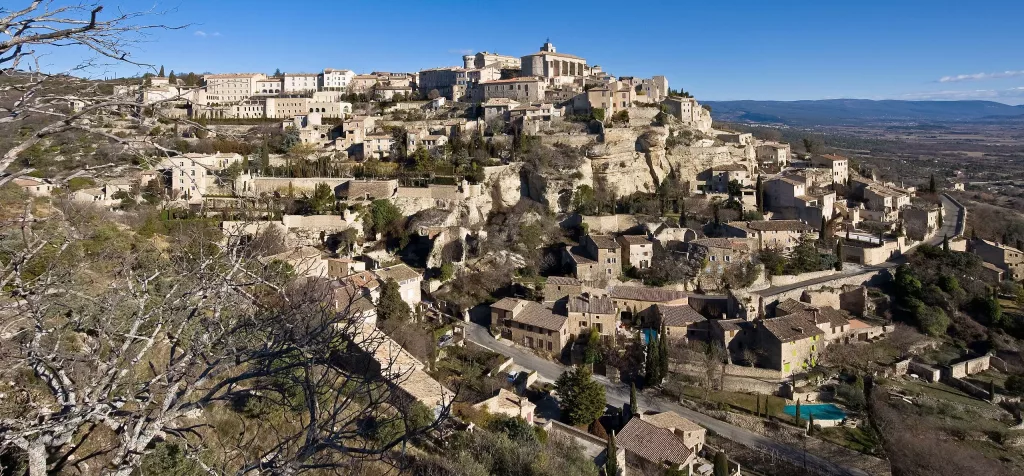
[310,109]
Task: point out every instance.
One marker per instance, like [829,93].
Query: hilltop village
[527,228]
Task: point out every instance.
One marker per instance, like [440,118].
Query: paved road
[617,393]
[948,228]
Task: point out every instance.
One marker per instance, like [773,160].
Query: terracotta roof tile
[639,293]
[679,316]
[591,304]
[653,444]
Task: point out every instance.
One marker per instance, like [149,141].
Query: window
[728,258]
[712,257]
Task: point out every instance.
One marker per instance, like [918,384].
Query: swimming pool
[821,411]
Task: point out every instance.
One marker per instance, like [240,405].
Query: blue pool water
[821,411]
[648,335]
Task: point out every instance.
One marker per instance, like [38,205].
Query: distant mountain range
[862,111]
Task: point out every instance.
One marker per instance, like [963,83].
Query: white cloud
[200,33]
[203,34]
[980,76]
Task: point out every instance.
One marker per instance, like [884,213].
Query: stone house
[427,141]
[531,324]
[390,91]
[920,223]
[991,273]
[498,108]
[36,187]
[369,189]
[689,112]
[1009,259]
[773,154]
[525,89]
[408,279]
[879,197]
[638,301]
[587,311]
[193,175]
[689,432]
[406,377]
[793,342]
[869,250]
[792,196]
[681,321]
[637,250]
[770,234]
[558,287]
[558,68]
[837,164]
[595,260]
[509,404]
[377,145]
[650,449]
[721,175]
[721,252]
[345,266]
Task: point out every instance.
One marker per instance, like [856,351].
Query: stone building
[689,112]
[595,260]
[509,404]
[36,187]
[530,324]
[283,107]
[793,342]
[721,252]
[920,223]
[558,68]
[773,154]
[524,89]
[681,321]
[653,450]
[770,234]
[224,89]
[486,58]
[722,174]
[837,164]
[691,433]
[335,79]
[1005,257]
[498,108]
[637,250]
[639,301]
[587,312]
[558,287]
[300,82]
[791,197]
[193,175]
[408,281]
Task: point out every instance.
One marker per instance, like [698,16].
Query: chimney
[815,312]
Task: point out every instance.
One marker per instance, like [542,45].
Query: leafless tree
[114,343]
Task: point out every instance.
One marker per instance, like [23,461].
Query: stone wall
[768,300]
[926,372]
[605,224]
[257,185]
[969,367]
[786,280]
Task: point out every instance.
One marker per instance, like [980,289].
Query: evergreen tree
[931,184]
[662,354]
[798,418]
[945,243]
[652,368]
[721,464]
[634,405]
[810,424]
[611,465]
[582,399]
[824,227]
[991,390]
[840,255]
[682,212]
[390,304]
[171,78]
[161,74]
[277,73]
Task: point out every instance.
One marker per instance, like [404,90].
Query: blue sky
[783,50]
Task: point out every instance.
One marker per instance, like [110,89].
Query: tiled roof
[634,240]
[362,279]
[508,403]
[576,254]
[506,304]
[679,316]
[671,421]
[398,272]
[779,225]
[638,293]
[729,324]
[790,305]
[653,444]
[591,304]
[495,102]
[540,315]
[605,242]
[832,157]
[563,281]
[512,80]
[792,327]
[551,53]
[723,243]
[373,188]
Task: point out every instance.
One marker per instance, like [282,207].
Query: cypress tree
[611,465]
[662,354]
[653,364]
[634,406]
[991,390]
[810,424]
[721,464]
[798,413]
[161,71]
[759,191]
[840,255]
[945,243]
[931,184]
